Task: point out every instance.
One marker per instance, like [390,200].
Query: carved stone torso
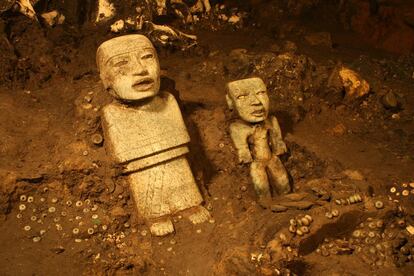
[259,141]
[136,133]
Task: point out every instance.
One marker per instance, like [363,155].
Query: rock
[275,249]
[354,175]
[58,249]
[32,177]
[338,130]
[355,86]
[53,18]
[278,208]
[390,101]
[300,205]
[234,19]
[295,196]
[118,26]
[118,212]
[319,39]
[410,229]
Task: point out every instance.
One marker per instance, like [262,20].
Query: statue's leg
[279,176]
[165,189]
[261,182]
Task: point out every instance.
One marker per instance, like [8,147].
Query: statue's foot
[161,227]
[199,214]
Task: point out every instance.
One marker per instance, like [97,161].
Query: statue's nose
[254,100]
[139,68]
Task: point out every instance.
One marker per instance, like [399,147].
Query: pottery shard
[354,84]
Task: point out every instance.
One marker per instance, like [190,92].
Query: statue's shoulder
[110,109]
[168,97]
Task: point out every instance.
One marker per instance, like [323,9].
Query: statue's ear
[229,102]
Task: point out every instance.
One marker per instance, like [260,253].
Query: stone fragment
[300,205]
[338,130]
[296,196]
[26,8]
[118,26]
[118,212]
[390,101]
[278,208]
[410,229]
[353,83]
[106,10]
[354,175]
[57,249]
[234,19]
[53,18]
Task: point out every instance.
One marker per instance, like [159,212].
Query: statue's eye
[260,92]
[147,56]
[121,63]
[241,97]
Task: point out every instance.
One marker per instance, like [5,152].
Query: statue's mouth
[259,113]
[143,84]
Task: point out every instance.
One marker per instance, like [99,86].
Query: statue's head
[249,98]
[129,67]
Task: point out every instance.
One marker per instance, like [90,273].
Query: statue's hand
[280,148]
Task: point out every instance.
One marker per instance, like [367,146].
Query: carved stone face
[129,67]
[249,98]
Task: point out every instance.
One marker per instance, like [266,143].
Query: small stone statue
[145,134]
[257,137]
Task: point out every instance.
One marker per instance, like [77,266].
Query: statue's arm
[239,133]
[278,146]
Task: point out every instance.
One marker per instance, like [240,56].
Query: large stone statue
[257,137]
[145,134]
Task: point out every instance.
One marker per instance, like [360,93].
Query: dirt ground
[64,210]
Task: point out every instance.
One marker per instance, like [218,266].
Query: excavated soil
[50,102]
